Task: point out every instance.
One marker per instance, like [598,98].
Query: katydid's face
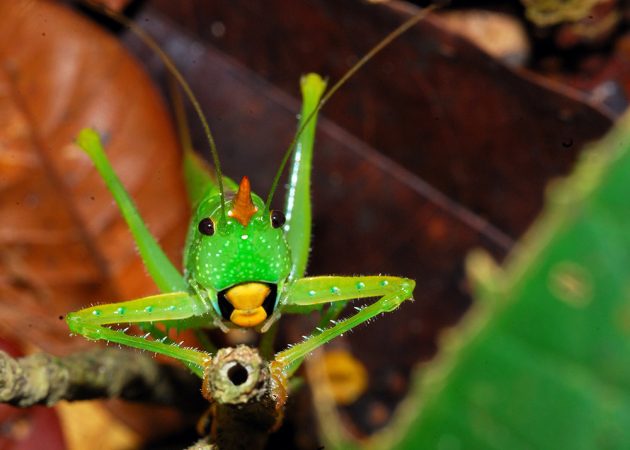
[240,261]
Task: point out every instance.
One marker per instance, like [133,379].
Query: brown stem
[102,373]
[247,398]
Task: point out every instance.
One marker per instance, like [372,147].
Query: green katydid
[244,262]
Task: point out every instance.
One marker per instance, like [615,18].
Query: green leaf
[542,361]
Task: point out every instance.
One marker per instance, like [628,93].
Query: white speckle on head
[244,236]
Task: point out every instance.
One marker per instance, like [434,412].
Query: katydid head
[240,261]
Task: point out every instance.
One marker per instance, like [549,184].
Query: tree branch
[103,373]
[246,393]
[247,398]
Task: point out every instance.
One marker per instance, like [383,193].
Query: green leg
[298,199]
[307,292]
[165,275]
[329,315]
[89,322]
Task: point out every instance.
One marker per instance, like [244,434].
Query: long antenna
[166,60]
[354,69]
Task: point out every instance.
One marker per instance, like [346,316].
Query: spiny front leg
[89,322]
[307,292]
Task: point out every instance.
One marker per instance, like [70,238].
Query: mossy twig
[245,393]
[103,373]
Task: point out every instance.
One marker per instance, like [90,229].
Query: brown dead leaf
[64,243]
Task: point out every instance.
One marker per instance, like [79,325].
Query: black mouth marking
[268,305]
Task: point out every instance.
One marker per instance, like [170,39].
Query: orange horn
[243,208]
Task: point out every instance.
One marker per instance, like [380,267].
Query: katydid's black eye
[206,226]
[277,218]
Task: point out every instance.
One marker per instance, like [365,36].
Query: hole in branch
[237,374]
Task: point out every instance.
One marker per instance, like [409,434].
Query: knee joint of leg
[390,303]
